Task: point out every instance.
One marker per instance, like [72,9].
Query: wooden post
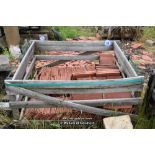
[93,103]
[14,111]
[151,85]
[13,40]
[148,101]
[12,35]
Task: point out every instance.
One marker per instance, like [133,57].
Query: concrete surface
[119,122]
[150,42]
[4,60]
[4,63]
[15,51]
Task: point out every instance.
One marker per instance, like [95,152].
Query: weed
[4,119]
[55,125]
[7,53]
[148,33]
[75,31]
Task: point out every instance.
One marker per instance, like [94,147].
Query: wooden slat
[22,67]
[94,103]
[77,57]
[52,64]
[70,43]
[70,48]
[120,69]
[14,111]
[23,109]
[29,71]
[77,83]
[118,53]
[86,90]
[27,75]
[59,102]
[124,62]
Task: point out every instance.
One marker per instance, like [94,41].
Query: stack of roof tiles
[65,71]
[79,70]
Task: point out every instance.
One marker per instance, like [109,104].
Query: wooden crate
[21,85]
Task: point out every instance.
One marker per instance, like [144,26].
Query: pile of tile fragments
[103,69]
[145,60]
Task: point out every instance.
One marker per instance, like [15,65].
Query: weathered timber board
[60,102]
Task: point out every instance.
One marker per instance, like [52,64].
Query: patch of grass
[40,124]
[75,31]
[4,119]
[146,117]
[2,94]
[149,48]
[7,53]
[145,123]
[148,33]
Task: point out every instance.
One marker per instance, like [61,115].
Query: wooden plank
[72,48]
[14,111]
[94,103]
[77,83]
[60,102]
[70,43]
[120,60]
[124,62]
[23,109]
[122,66]
[64,61]
[27,75]
[137,88]
[61,57]
[114,101]
[83,88]
[29,71]
[120,69]
[22,67]
[20,73]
